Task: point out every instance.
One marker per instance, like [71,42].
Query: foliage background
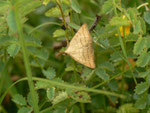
[33,32]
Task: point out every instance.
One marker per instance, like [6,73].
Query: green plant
[33,34]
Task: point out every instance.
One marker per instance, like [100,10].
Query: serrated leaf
[143,59]
[113,85]
[143,74]
[147,16]
[137,27]
[39,53]
[75,109]
[29,99]
[73,25]
[41,85]
[13,50]
[30,6]
[143,25]
[127,108]
[19,99]
[102,74]
[45,2]
[50,93]
[49,73]
[4,7]
[107,65]
[59,33]
[11,21]
[54,12]
[147,42]
[7,40]
[24,110]
[139,45]
[119,21]
[79,96]
[75,6]
[32,41]
[141,103]
[133,12]
[60,109]
[61,97]
[107,7]
[141,88]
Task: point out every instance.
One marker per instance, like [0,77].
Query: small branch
[63,17]
[95,23]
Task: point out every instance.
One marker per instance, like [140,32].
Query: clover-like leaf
[141,88]
[19,99]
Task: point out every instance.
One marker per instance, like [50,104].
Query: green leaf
[139,45]
[11,21]
[73,25]
[32,41]
[147,42]
[143,25]
[28,7]
[24,110]
[147,16]
[141,102]
[113,85]
[119,21]
[143,59]
[102,74]
[75,6]
[49,73]
[61,97]
[19,99]
[79,96]
[7,40]
[75,109]
[50,93]
[29,99]
[141,88]
[13,50]
[42,85]
[143,74]
[59,33]
[127,108]
[4,6]
[39,53]
[54,12]
[107,65]
[45,2]
[137,27]
[107,7]
[59,109]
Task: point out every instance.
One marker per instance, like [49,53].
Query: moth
[80,47]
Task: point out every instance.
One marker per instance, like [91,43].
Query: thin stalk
[42,25]
[107,81]
[74,70]
[123,47]
[82,107]
[63,17]
[26,59]
[63,85]
[125,55]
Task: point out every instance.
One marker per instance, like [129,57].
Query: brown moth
[80,47]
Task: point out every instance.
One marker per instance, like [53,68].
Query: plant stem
[63,17]
[63,85]
[26,58]
[123,46]
[82,108]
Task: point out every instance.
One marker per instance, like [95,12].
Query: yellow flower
[126,29]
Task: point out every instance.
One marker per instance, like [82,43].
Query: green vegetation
[35,75]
